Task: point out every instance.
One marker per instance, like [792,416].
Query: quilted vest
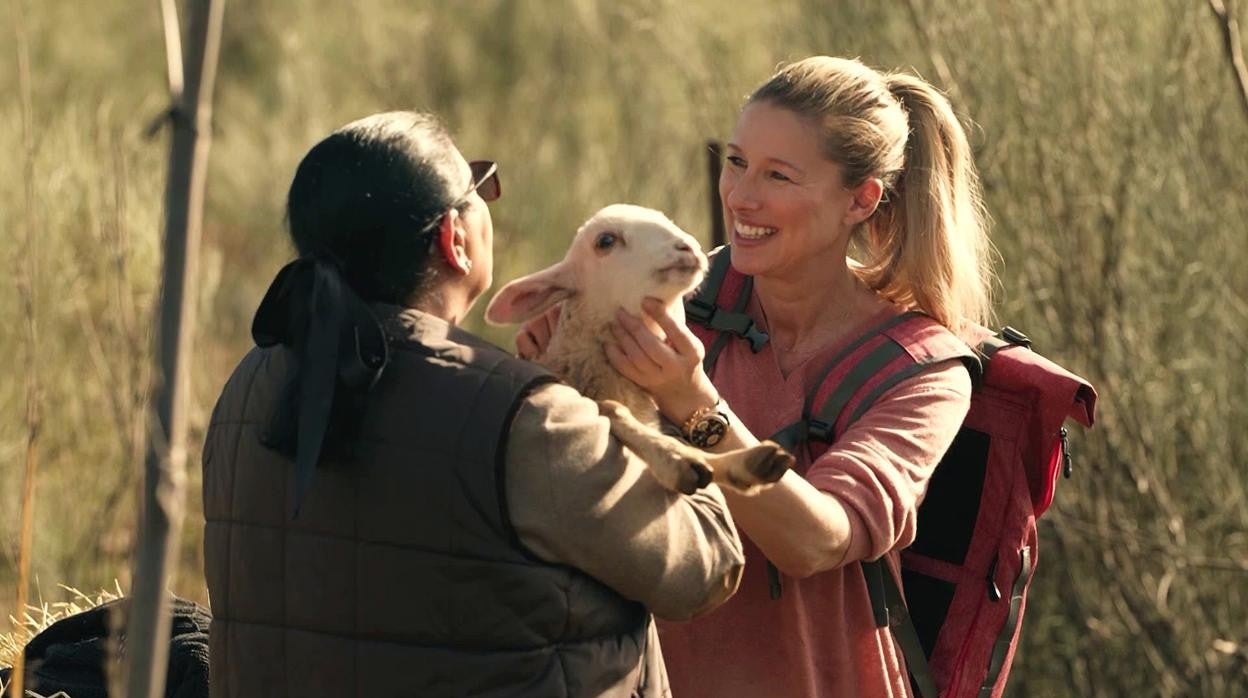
[400,575]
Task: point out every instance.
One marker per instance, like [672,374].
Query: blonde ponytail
[928,243]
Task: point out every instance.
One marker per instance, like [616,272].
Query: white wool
[651,257]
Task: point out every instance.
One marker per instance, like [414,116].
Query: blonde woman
[830,160]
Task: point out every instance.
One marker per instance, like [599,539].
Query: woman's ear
[865,199]
[452,242]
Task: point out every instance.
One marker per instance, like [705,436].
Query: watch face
[709,430]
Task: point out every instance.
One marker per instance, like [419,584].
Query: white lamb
[620,256]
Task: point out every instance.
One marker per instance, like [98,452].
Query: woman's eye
[779,176]
[736,161]
[605,241]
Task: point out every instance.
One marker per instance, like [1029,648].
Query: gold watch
[706,426]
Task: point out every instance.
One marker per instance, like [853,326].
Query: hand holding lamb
[619,257]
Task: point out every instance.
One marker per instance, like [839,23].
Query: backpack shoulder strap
[820,425]
[888,603]
[724,285]
[898,348]
[917,343]
[869,367]
[889,607]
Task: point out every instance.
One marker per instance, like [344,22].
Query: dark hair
[361,197]
[359,210]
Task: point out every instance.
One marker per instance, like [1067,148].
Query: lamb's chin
[667,297]
[676,286]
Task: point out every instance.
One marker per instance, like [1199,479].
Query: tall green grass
[1113,151]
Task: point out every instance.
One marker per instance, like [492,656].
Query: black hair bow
[339,351]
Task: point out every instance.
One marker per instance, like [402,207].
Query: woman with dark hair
[396,507]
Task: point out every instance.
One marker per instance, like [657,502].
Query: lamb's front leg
[683,468]
[750,469]
[676,465]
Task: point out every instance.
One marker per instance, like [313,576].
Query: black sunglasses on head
[484,180]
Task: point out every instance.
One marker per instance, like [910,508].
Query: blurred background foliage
[1110,136]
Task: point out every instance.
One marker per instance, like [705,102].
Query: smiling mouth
[752,232]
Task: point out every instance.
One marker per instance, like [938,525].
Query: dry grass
[38,617]
[1111,141]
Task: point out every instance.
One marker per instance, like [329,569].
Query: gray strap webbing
[991,345]
[873,574]
[793,435]
[858,375]
[774,587]
[797,433]
[703,309]
[897,617]
[1006,636]
[708,292]
[840,356]
[972,365]
[1007,337]
[703,304]
[721,340]
[820,428]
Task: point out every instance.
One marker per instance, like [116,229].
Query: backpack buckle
[699,311]
[739,324]
[756,337]
[1067,463]
[1015,337]
[821,431]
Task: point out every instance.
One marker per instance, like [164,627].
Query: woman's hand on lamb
[670,370]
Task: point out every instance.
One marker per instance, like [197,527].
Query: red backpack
[967,572]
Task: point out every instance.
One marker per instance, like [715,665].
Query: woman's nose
[740,195]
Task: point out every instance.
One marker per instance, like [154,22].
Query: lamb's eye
[606,241]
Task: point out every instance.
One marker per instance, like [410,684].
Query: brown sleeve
[578,497]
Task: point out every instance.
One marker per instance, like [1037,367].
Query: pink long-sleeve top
[819,638]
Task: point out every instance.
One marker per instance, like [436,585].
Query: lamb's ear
[530,296]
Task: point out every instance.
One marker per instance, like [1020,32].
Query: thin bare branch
[146,660]
[1224,11]
[173,49]
[26,292]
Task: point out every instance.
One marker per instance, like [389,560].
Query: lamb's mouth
[681,267]
[682,274]
[687,264]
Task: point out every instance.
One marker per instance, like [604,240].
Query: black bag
[69,656]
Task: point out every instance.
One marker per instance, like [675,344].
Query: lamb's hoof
[768,461]
[694,477]
[611,409]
